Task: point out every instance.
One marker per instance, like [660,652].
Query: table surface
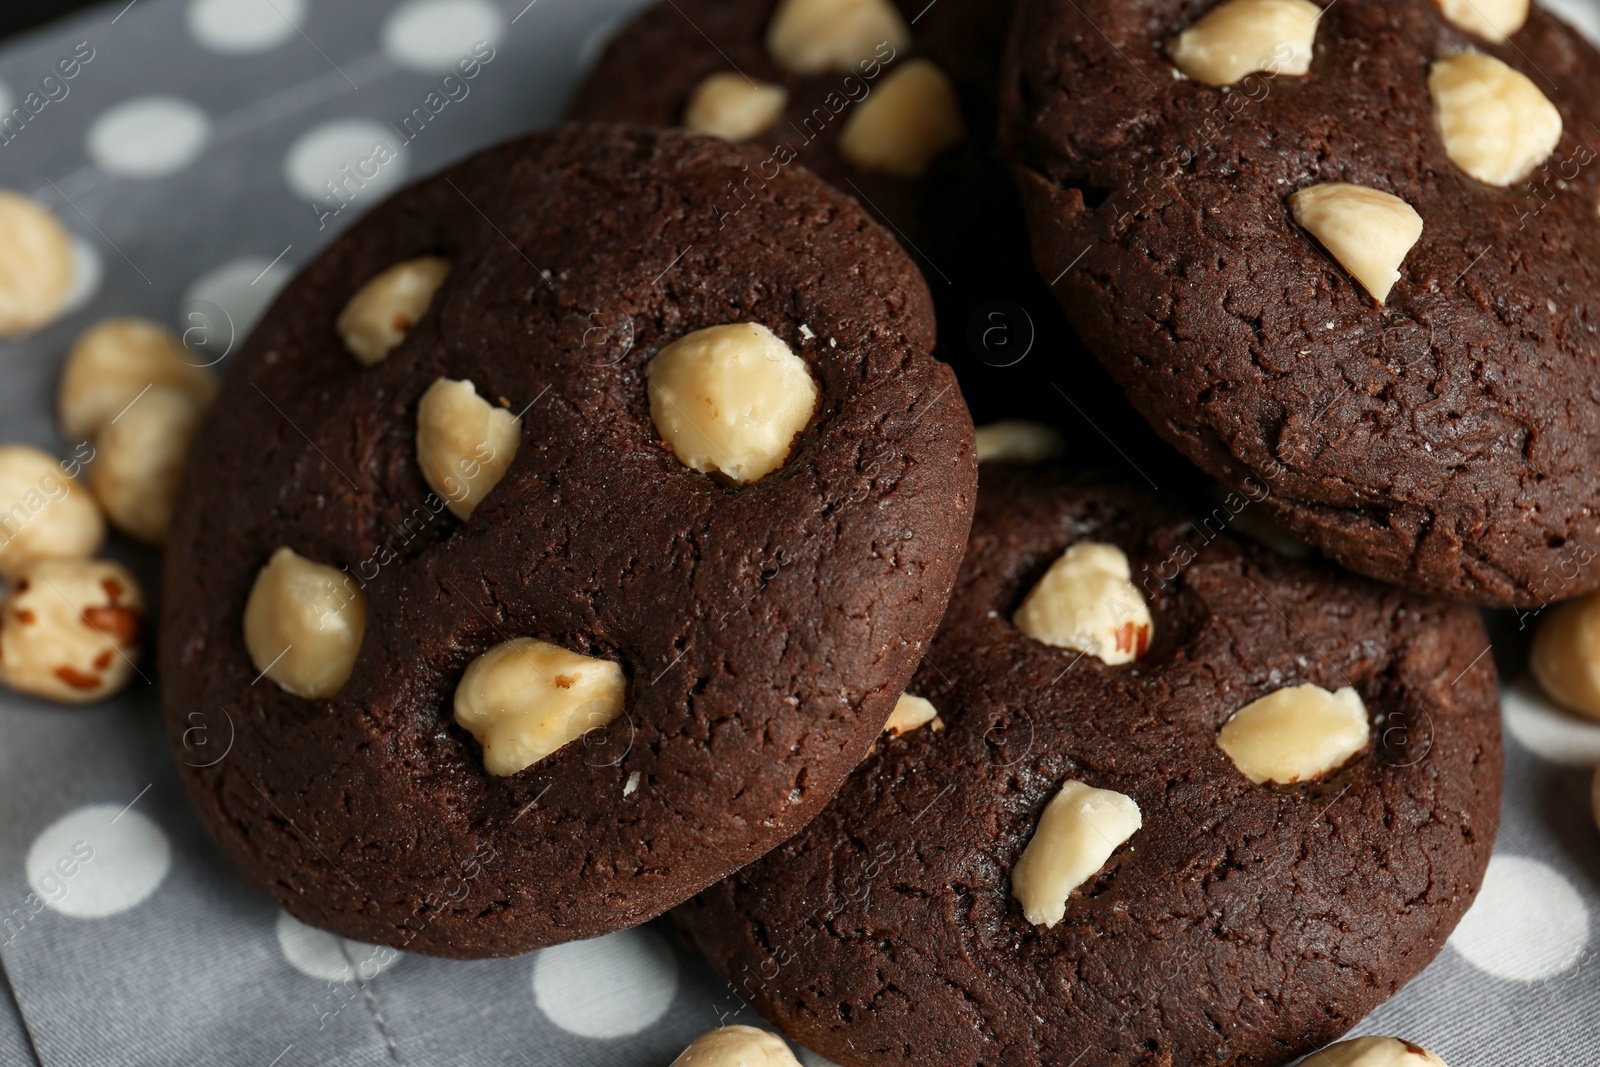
[187,161]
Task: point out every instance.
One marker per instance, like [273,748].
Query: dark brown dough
[1447,442]
[1242,925]
[961,223]
[766,631]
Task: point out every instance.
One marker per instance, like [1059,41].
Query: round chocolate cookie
[1363,267]
[602,535]
[1074,862]
[654,70]
[959,219]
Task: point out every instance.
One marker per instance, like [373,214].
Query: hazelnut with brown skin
[69,630]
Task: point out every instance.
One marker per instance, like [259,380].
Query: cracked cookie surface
[1446,439]
[765,631]
[1239,924]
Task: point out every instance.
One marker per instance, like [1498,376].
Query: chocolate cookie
[598,540]
[959,218]
[664,69]
[1250,809]
[1321,246]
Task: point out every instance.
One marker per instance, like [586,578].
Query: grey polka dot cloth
[199,152]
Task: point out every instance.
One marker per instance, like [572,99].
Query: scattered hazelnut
[69,630]
[816,36]
[909,714]
[733,107]
[376,319]
[303,625]
[464,444]
[1018,441]
[44,513]
[1565,658]
[1368,231]
[1496,124]
[139,458]
[906,123]
[1373,1052]
[35,265]
[1296,733]
[731,399]
[1493,20]
[737,1046]
[116,360]
[524,699]
[1087,602]
[1239,37]
[1077,833]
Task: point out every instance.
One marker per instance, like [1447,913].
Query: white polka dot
[612,986]
[98,861]
[319,954]
[87,270]
[432,35]
[1528,922]
[223,305]
[345,162]
[148,137]
[244,25]
[1547,731]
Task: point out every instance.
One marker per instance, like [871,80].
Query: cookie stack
[617,540]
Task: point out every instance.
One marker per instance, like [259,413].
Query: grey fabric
[133,942]
[14,1046]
